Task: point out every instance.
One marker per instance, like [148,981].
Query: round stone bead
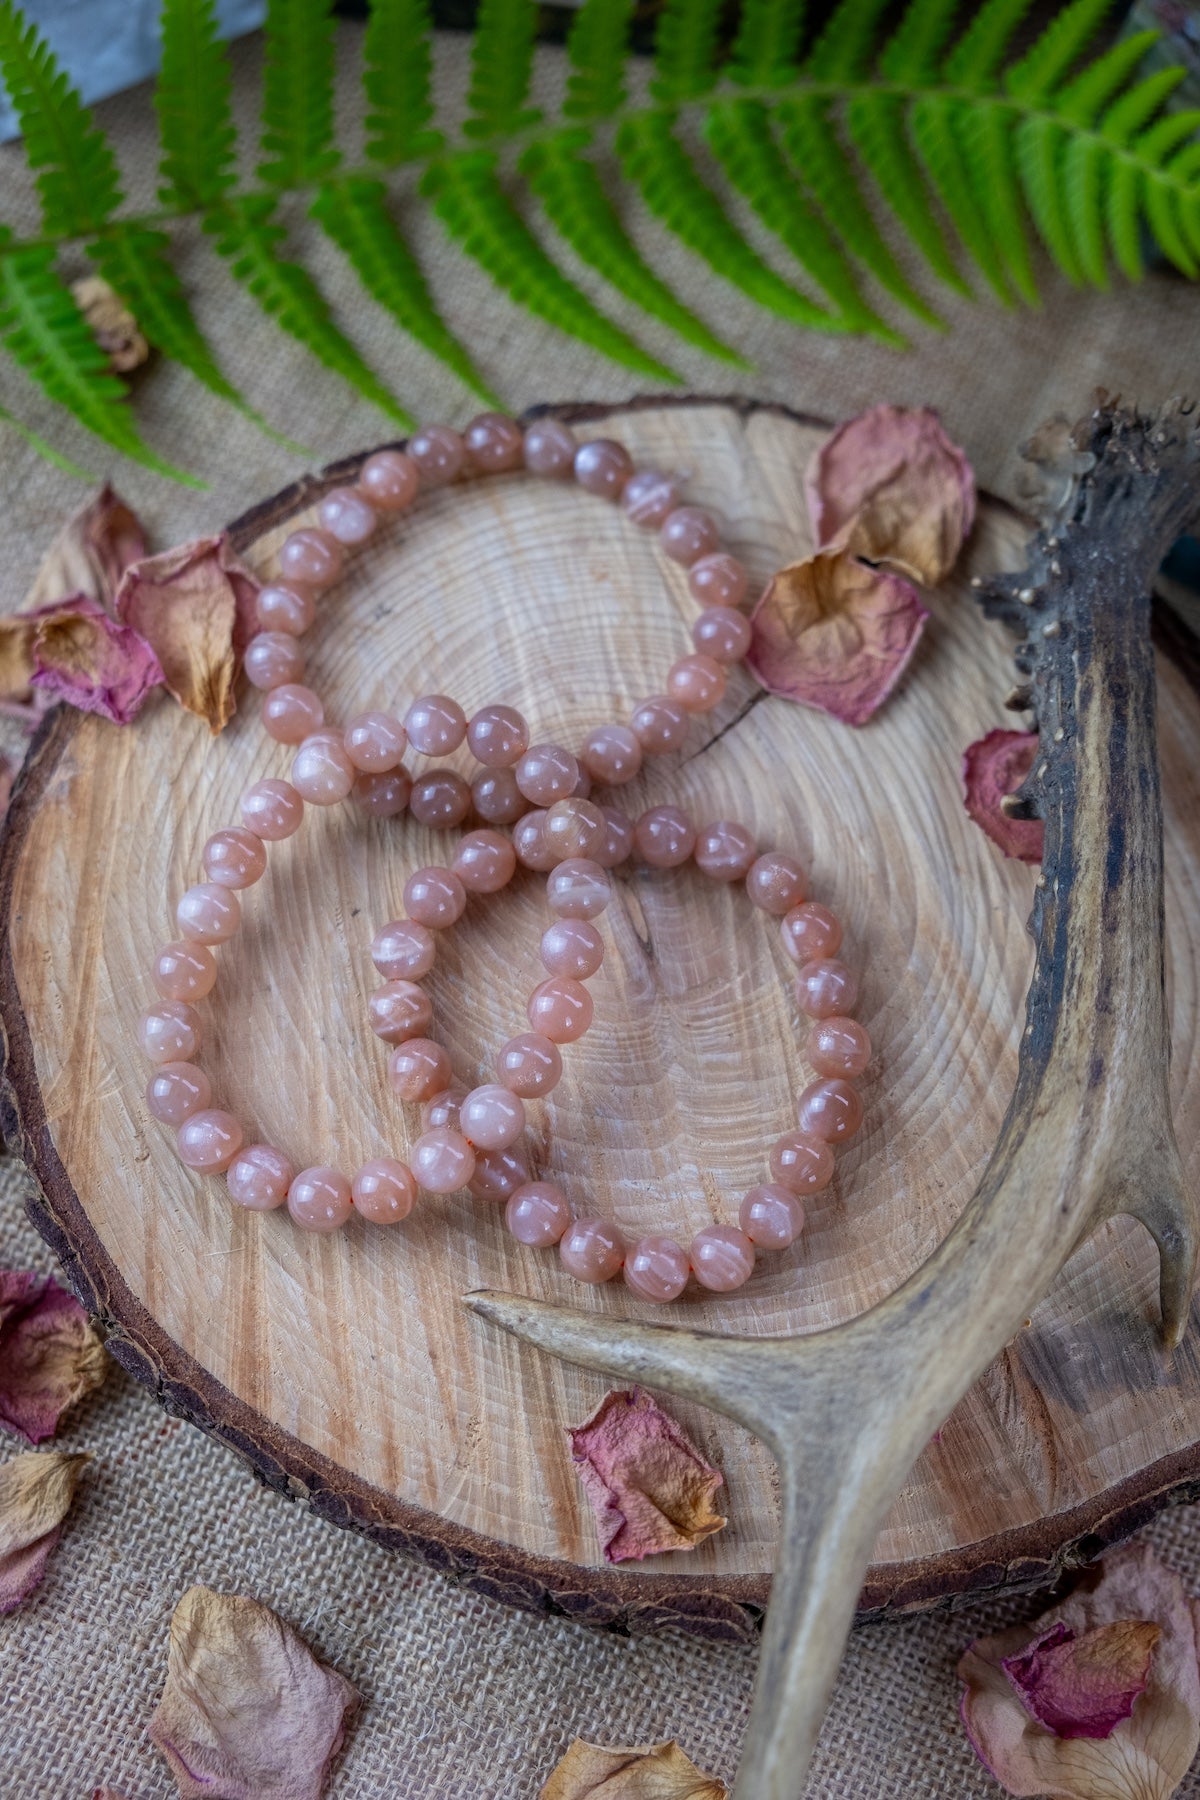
[176,1090]
[498,1173]
[578,888]
[547,773]
[592,1250]
[561,1009]
[722,1258]
[440,799]
[442,1160]
[292,712]
[170,1032]
[280,608]
[435,724]
[529,1065]
[272,810]
[837,1046]
[802,1162]
[322,773]
[718,579]
[656,1268]
[347,516]
[574,828]
[400,1010]
[375,742]
[725,850]
[418,1070]
[612,754]
[493,444]
[830,1109]
[390,481]
[235,858]
[550,448]
[486,862]
[776,882]
[439,453]
[810,931]
[659,724]
[497,798]
[529,842]
[259,1177]
[664,837]
[648,497]
[383,1190]
[572,947]
[273,658]
[208,913]
[184,971]
[435,897]
[310,556]
[491,1117]
[383,796]
[440,1111]
[722,634]
[404,950]
[537,1214]
[319,1198]
[497,736]
[688,533]
[825,987]
[618,838]
[209,1141]
[697,683]
[602,467]
[771,1217]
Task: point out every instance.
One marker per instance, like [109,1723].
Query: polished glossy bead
[722,1258]
[718,579]
[771,1217]
[272,810]
[434,896]
[832,1110]
[697,683]
[688,533]
[292,712]
[184,971]
[837,1046]
[549,448]
[383,796]
[259,1177]
[347,516]
[825,987]
[810,931]
[442,1160]
[209,1141]
[418,1070]
[547,773]
[235,858]
[560,1008]
[439,453]
[572,947]
[529,1065]
[578,888]
[310,556]
[497,736]
[529,842]
[659,724]
[272,658]
[170,1032]
[722,634]
[208,913]
[491,1117]
[400,1010]
[440,1111]
[618,838]
[776,882]
[603,467]
[497,798]
[390,481]
[656,1268]
[280,608]
[498,1173]
[494,444]
[435,724]
[404,950]
[319,1199]
[648,497]
[664,837]
[441,799]
[592,1250]
[802,1162]
[574,828]
[612,754]
[486,862]
[176,1090]
[383,1190]
[537,1214]
[375,741]
[321,771]
[725,850]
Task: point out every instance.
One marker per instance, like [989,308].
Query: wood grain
[346,1368]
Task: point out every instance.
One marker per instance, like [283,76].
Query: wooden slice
[344,1368]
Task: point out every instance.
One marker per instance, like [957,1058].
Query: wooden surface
[345,1367]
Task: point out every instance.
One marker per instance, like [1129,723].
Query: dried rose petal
[891,486]
[632,1772]
[248,1713]
[649,1487]
[994,766]
[194,606]
[36,1491]
[50,1354]
[82,657]
[835,634]
[1081,1680]
[90,554]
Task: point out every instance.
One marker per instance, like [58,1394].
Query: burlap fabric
[466,1700]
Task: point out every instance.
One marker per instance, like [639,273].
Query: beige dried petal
[36,1491]
[113,325]
[90,554]
[630,1772]
[193,605]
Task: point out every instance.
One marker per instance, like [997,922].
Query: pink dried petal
[194,606]
[50,1355]
[1083,1686]
[82,657]
[994,766]
[835,634]
[36,1491]
[90,553]
[648,1485]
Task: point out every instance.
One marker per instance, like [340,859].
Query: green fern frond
[1134,110]
[1167,138]
[985,140]
[397,79]
[1034,78]
[1082,100]
[501,69]
[297,112]
[685,48]
[597,48]
[876,126]
[843,50]
[1123,218]
[933,121]
[1040,147]
[194,106]
[1161,202]
[911,55]
[764,53]
[43,448]
[76,170]
[978,55]
[1085,166]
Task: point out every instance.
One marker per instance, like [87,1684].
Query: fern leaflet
[76,170]
[1084,168]
[597,45]
[1083,100]
[1134,110]
[979,52]
[297,113]
[43,448]
[501,67]
[932,122]
[685,47]
[764,50]
[1040,147]
[876,126]
[1123,217]
[1160,201]
[910,56]
[398,67]
[842,51]
[984,137]
[1039,71]
[195,113]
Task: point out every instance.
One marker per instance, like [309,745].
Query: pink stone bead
[404,950]
[440,799]
[529,842]
[400,1010]
[383,1190]
[659,724]
[435,897]
[549,448]
[656,1268]
[170,1032]
[547,773]
[493,443]
[802,1162]
[235,858]
[561,1009]
[837,1046]
[497,736]
[491,1117]
[272,810]
[290,609]
[575,828]
[209,1141]
[529,1065]
[176,1090]
[578,889]
[498,1173]
[722,1258]
[722,634]
[592,1250]
[771,1217]
[825,987]
[272,658]
[319,1199]
[312,556]
[486,862]
[292,712]
[612,754]
[618,838]
[497,798]
[440,1111]
[688,533]
[725,850]
[389,479]
[383,796]
[603,467]
[347,516]
[375,742]
[832,1110]
[435,724]
[208,913]
[439,453]
[259,1177]
[572,947]
[322,773]
[810,931]
[537,1214]
[184,971]
[776,882]
[418,1070]
[648,497]
[664,837]
[697,683]
[442,1160]
[718,579]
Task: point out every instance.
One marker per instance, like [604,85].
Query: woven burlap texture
[464,1699]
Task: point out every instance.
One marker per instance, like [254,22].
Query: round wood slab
[345,1368]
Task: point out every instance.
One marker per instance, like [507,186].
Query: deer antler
[1088,1133]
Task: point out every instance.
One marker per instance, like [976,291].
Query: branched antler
[1088,1132]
